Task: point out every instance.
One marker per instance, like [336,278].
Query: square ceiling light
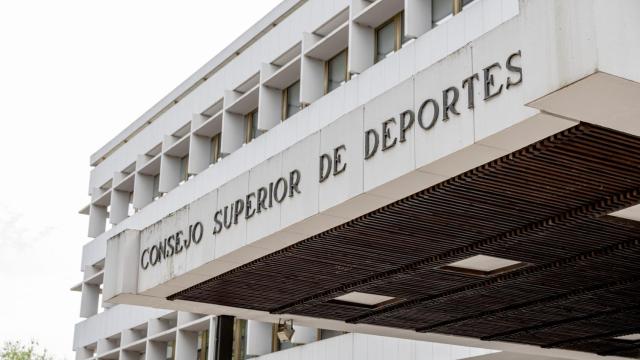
[630,337]
[483,265]
[361,299]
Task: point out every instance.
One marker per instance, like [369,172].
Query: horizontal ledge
[85,210]
[211,126]
[245,103]
[152,167]
[125,184]
[330,45]
[285,75]
[180,148]
[378,12]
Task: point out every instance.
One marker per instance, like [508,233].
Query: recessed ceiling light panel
[630,337]
[483,265]
[363,299]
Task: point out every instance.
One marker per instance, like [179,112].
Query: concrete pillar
[269,100]
[199,153]
[156,350]
[121,264]
[259,338]
[232,127]
[142,190]
[119,206]
[97,220]
[361,40]
[417,17]
[311,72]
[169,173]
[89,300]
[186,345]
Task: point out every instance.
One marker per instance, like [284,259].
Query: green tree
[16,350]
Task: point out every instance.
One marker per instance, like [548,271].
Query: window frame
[456,7]
[249,134]
[184,169]
[216,148]
[326,69]
[397,20]
[155,191]
[285,101]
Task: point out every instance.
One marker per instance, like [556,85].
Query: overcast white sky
[73,73]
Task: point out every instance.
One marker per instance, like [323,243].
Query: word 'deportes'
[443,107]
[172,245]
[257,202]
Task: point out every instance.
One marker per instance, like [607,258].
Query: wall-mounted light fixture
[285,330]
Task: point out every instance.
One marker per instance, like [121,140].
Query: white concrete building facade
[400,179]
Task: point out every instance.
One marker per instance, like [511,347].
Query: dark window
[291,100]
[251,126]
[390,37]
[336,71]
[215,149]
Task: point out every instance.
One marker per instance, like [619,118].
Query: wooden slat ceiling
[545,205]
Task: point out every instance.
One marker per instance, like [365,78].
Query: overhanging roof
[546,206]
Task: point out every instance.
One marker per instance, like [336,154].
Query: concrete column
[119,206]
[169,173]
[97,220]
[232,126]
[311,72]
[417,17]
[199,153]
[269,101]
[361,40]
[142,190]
[156,350]
[186,345]
[121,264]
[212,339]
[259,338]
[89,300]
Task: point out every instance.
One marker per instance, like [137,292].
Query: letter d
[370,148]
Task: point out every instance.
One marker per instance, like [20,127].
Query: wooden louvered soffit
[546,207]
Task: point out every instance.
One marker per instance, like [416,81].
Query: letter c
[142,263]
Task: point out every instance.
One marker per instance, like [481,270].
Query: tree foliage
[16,350]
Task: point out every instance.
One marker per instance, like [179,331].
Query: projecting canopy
[521,249]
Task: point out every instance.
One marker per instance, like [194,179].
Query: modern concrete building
[395,179]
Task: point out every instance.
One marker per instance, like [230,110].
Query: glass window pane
[385,40]
[337,71]
[184,168]
[251,126]
[440,9]
[293,99]
[156,186]
[254,124]
[215,149]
